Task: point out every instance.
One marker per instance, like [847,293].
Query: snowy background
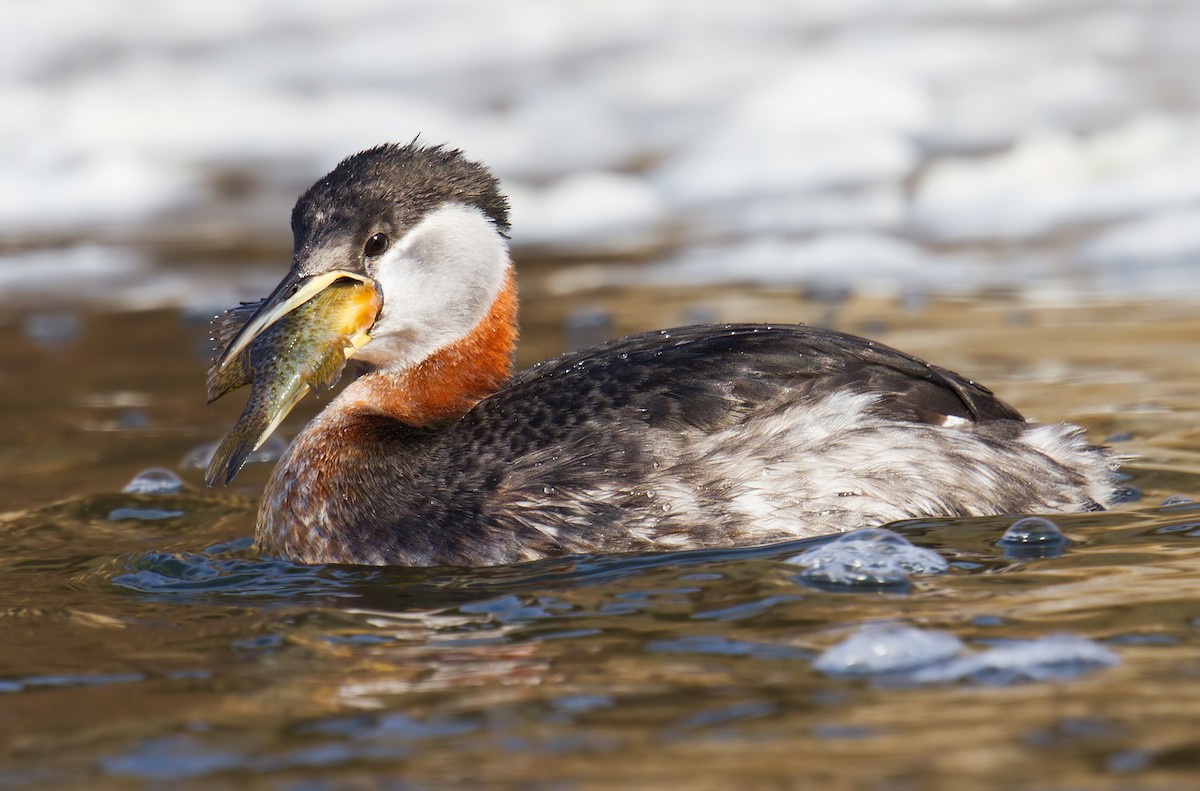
[1046,146]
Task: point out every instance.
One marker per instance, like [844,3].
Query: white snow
[38,272]
[595,208]
[1157,255]
[869,262]
[1170,236]
[1056,178]
[794,140]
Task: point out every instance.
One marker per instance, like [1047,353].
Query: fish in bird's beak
[296,340]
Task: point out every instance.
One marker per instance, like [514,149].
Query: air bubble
[156,480]
[894,653]
[1033,530]
[1033,537]
[1053,658]
[869,558]
[886,649]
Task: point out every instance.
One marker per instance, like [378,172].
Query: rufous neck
[443,386]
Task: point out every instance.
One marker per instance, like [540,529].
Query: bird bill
[296,340]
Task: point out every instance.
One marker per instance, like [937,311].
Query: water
[1003,189]
[145,643]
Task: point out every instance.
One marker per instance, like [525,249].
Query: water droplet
[156,480]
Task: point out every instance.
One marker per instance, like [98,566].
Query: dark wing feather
[709,377]
[554,461]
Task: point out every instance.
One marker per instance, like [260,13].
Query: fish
[302,348]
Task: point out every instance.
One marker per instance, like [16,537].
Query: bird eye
[376,245]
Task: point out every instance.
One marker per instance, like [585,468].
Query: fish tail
[231,455]
[260,417]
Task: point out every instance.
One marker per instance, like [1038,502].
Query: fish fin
[225,326]
[221,380]
[327,374]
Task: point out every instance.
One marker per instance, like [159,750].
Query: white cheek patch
[438,283]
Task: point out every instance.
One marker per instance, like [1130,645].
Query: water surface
[146,643]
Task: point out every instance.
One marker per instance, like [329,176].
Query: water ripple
[226,570]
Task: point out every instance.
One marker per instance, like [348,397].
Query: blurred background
[1008,188]
[946,177]
[1047,147]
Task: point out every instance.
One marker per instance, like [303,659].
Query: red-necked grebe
[702,436]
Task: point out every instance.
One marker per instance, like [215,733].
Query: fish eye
[376,245]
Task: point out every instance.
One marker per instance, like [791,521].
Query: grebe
[705,436]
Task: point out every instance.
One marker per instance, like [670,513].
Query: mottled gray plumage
[695,437]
